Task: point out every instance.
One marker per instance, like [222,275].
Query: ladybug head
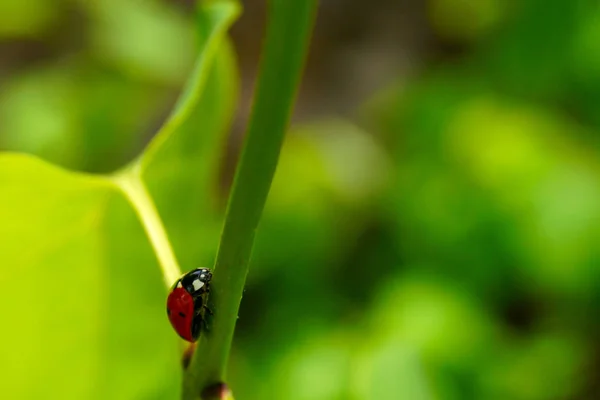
[196,281]
[205,274]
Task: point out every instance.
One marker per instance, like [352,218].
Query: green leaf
[83,292]
[182,174]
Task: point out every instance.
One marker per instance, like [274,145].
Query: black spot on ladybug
[168,312]
[182,315]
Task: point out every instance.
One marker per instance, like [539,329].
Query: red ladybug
[186,304]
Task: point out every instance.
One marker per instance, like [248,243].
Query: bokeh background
[433,228]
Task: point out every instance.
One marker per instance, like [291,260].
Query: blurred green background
[433,229]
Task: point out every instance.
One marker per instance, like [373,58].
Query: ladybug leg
[206,318]
[197,326]
[198,305]
[204,325]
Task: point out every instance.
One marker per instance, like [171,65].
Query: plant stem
[288,32]
[130,183]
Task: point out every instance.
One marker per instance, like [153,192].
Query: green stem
[287,37]
[132,186]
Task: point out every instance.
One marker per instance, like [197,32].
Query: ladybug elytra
[186,303]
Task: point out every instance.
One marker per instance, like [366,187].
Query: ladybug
[186,304]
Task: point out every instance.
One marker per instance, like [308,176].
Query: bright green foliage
[83,292]
[68,275]
[445,247]
[475,271]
